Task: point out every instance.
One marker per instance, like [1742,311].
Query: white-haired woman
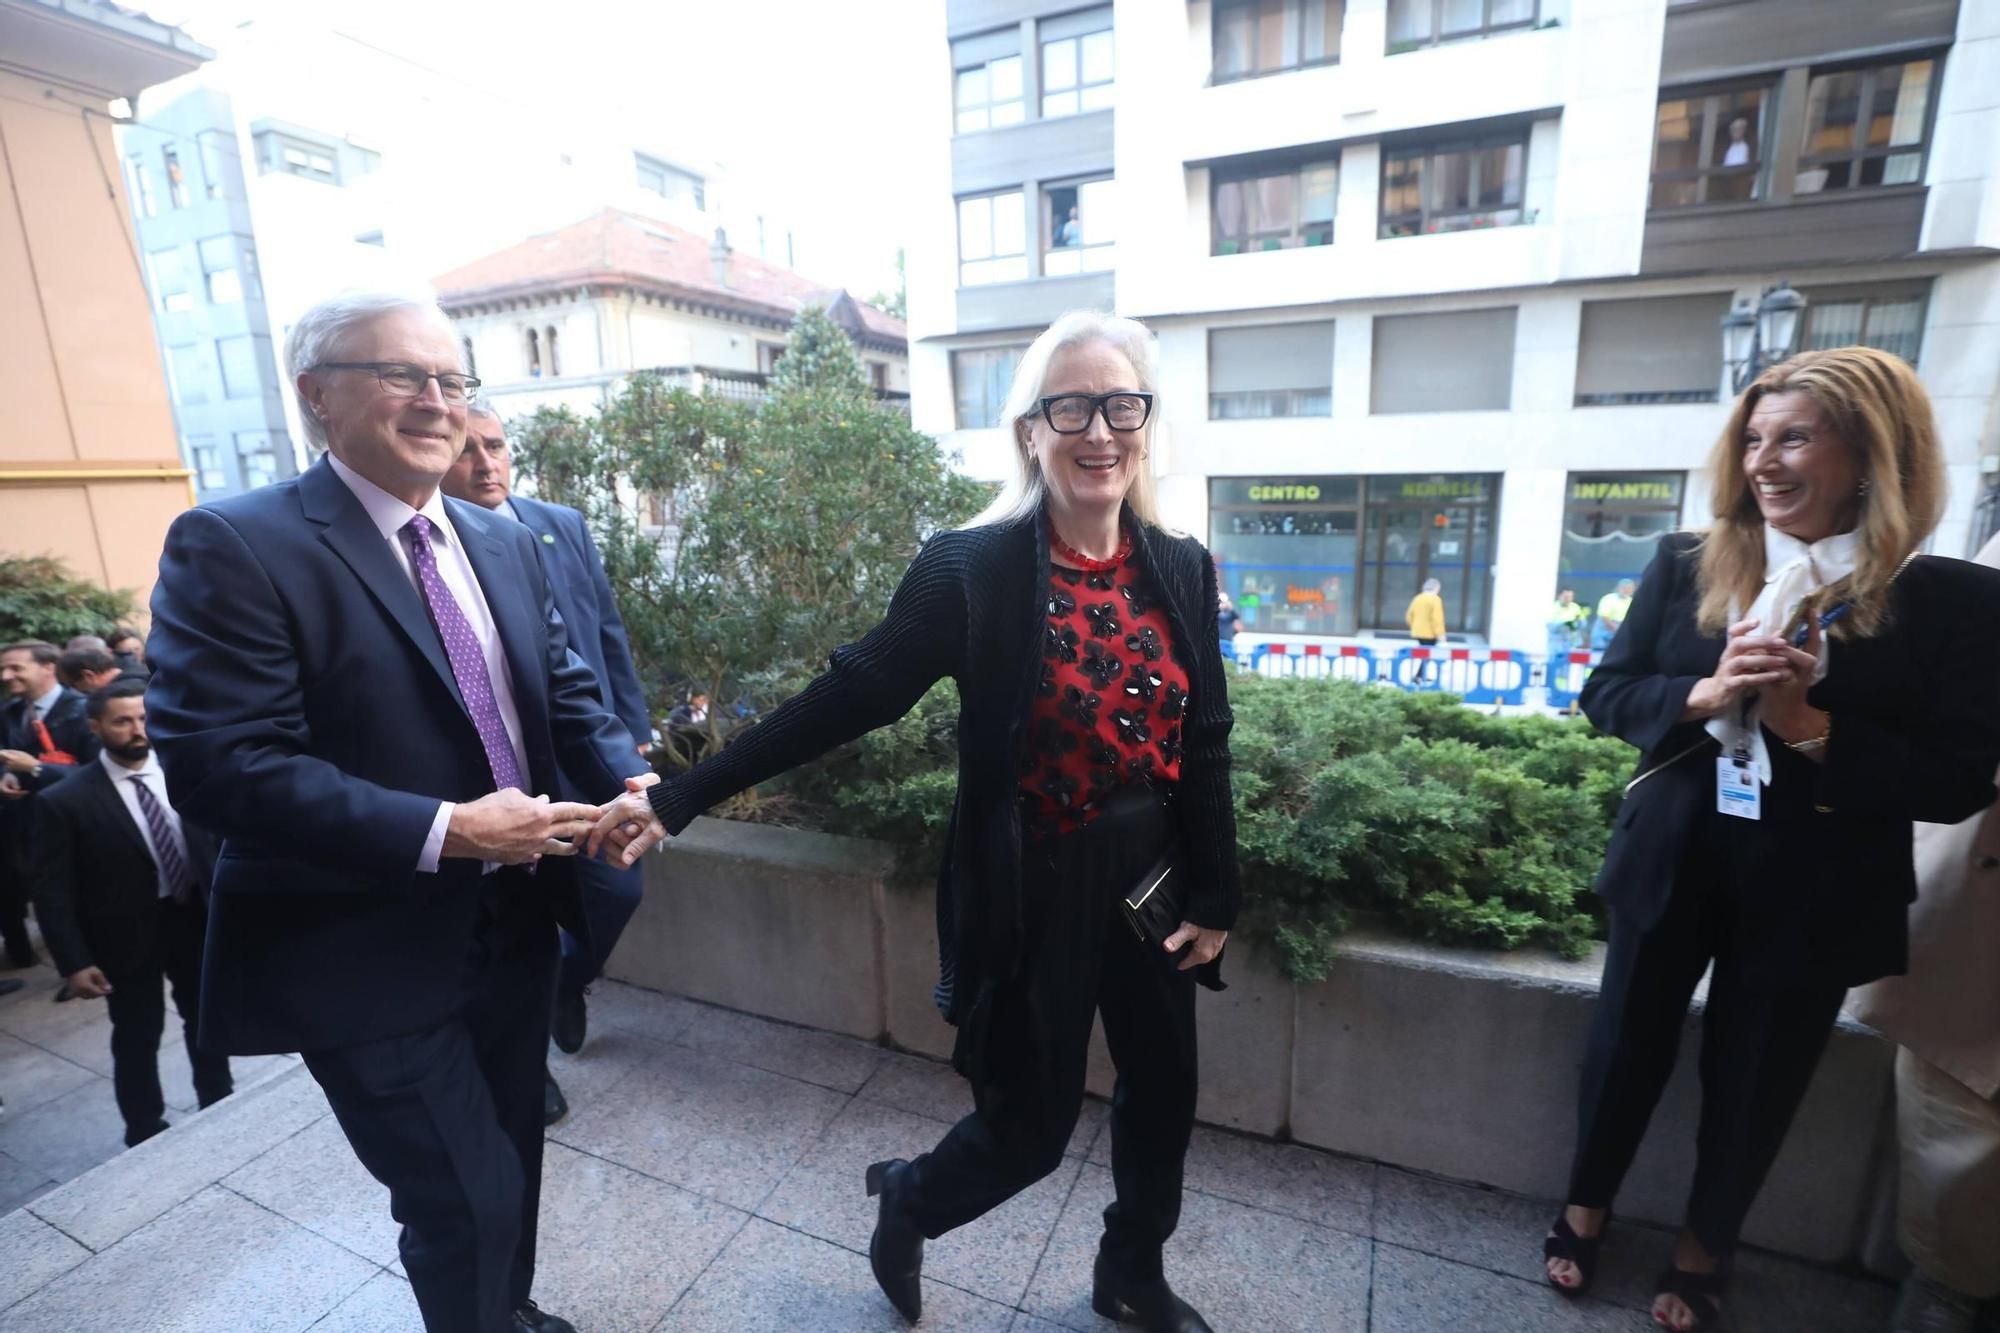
[1092,699]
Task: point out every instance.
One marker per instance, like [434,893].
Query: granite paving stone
[612,1004]
[606,1059]
[824,1058]
[177,1075]
[32,1077]
[824,1196]
[216,1261]
[771,1280]
[1774,1295]
[67,1135]
[932,1088]
[617,1249]
[21,1184]
[1241,1267]
[1027,1323]
[1420,1293]
[1313,1186]
[384,1304]
[703,1122]
[36,1255]
[314,1179]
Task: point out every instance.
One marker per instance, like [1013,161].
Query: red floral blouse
[1109,707]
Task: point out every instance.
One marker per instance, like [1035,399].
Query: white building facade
[1438,283]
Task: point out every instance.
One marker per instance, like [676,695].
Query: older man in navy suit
[484,475]
[365,687]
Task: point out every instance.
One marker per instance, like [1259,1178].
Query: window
[980,378]
[371,238]
[215,162]
[992,239]
[206,461]
[188,369]
[534,354]
[1273,208]
[142,188]
[878,375]
[218,270]
[1254,37]
[549,350]
[989,95]
[170,282]
[1612,523]
[1890,319]
[243,359]
[1709,148]
[1273,370]
[170,164]
[670,182]
[259,457]
[768,356]
[289,155]
[1665,350]
[1076,63]
[471,366]
[1419,23]
[1866,127]
[1463,186]
[1077,231]
[253,284]
[1457,361]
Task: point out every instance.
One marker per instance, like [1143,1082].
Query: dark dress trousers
[597,635]
[97,897]
[306,711]
[1790,909]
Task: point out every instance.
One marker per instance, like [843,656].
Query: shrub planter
[1457,1062]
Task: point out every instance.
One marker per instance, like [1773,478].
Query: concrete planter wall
[1449,1061]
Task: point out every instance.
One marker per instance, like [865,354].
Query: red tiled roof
[614,247]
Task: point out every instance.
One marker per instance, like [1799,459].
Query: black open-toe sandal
[1700,1292]
[1579,1250]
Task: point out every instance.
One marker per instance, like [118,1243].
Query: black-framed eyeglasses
[1070,413]
[403,380]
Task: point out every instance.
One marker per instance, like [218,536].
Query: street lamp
[1754,341]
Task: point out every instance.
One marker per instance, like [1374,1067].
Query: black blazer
[972,607]
[1916,736]
[68,727]
[305,711]
[95,883]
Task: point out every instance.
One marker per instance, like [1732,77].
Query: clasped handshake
[514,828]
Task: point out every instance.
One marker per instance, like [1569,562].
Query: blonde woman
[1093,742]
[1802,686]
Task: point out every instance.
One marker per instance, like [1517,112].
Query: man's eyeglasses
[401,380]
[1070,413]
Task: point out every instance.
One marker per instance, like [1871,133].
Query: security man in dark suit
[364,687]
[483,475]
[43,737]
[121,890]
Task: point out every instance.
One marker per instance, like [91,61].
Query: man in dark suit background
[484,475]
[361,685]
[121,886]
[43,736]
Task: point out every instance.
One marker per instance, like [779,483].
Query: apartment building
[1439,283]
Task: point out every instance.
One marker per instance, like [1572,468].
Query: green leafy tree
[41,599]
[744,541]
[897,302]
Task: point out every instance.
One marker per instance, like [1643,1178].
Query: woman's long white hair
[1022,494]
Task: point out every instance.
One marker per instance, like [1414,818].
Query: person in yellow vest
[1611,611]
[1566,624]
[1426,621]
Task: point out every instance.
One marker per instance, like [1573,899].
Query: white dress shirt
[390,516]
[123,779]
[39,708]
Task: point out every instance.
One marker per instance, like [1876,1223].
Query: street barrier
[1311,661]
[1567,672]
[1478,675]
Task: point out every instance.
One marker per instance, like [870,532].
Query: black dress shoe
[1150,1302]
[532,1317]
[568,1023]
[554,1105]
[135,1137]
[64,993]
[896,1250]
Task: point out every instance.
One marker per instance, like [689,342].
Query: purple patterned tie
[173,865]
[468,662]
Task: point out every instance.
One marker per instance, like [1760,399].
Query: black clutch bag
[1152,907]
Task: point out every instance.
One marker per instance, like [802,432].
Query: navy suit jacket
[305,711]
[583,596]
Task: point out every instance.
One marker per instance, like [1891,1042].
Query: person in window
[1093,740]
[1740,151]
[1801,685]
[1072,230]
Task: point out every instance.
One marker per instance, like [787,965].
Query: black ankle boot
[896,1250]
[1148,1302]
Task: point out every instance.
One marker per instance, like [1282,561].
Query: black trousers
[1082,959]
[1770,1011]
[610,897]
[450,1119]
[20,950]
[138,1012]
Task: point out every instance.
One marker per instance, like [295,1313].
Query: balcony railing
[747,386]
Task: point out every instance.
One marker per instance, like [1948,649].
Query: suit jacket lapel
[104,790]
[538,521]
[355,538]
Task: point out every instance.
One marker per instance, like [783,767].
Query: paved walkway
[709,1178]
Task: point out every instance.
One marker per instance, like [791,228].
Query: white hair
[1432,585]
[317,336]
[1023,493]
[483,407]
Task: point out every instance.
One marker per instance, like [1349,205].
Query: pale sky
[809,106]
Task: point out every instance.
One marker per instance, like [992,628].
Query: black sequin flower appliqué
[1143,683]
[1103,620]
[1053,739]
[1098,580]
[1131,723]
[1170,745]
[1175,704]
[1099,665]
[1059,643]
[1145,641]
[1080,707]
[1070,576]
[1136,600]
[1060,788]
[1046,686]
[1102,755]
[1060,603]
[1140,767]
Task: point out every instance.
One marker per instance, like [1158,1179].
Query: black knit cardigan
[971,606]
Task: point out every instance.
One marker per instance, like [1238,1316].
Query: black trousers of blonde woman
[1081,960]
[1769,1013]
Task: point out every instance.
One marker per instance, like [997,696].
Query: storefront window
[1342,555]
[1611,524]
